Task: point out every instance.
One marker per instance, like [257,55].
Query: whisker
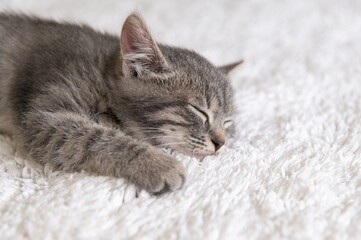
[171,144]
[197,143]
[149,129]
[196,139]
[160,137]
[156,130]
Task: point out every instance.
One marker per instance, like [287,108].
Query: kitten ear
[229,67]
[140,53]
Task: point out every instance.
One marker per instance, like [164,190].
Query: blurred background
[193,24]
[268,35]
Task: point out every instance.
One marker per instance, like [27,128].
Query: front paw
[157,172]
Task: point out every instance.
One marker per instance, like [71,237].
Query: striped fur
[80,100]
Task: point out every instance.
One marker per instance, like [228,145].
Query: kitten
[81,100]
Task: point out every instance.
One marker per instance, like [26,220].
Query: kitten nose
[218,143]
[218,139]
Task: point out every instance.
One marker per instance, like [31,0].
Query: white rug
[291,172]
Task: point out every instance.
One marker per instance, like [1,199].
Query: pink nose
[218,143]
[218,138]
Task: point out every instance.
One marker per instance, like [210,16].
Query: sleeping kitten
[81,100]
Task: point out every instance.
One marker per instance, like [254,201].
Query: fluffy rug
[292,171]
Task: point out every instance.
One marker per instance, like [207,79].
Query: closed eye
[203,115]
[227,123]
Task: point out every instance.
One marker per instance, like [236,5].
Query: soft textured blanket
[292,170]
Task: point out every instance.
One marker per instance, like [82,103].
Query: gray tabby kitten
[81,100]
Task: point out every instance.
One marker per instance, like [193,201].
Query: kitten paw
[157,173]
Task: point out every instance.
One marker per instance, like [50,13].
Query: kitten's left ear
[229,67]
[139,52]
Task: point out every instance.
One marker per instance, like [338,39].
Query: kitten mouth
[200,156]
[192,153]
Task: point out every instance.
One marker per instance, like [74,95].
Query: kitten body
[81,100]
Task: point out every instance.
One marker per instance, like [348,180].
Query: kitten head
[171,97]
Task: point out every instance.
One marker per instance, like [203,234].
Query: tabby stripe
[191,116]
[113,117]
[92,139]
[195,137]
[198,142]
[136,152]
[218,99]
[208,100]
[158,107]
[224,92]
[167,122]
[48,136]
[60,142]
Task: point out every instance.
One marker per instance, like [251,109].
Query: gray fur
[81,100]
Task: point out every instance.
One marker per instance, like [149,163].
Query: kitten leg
[75,143]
